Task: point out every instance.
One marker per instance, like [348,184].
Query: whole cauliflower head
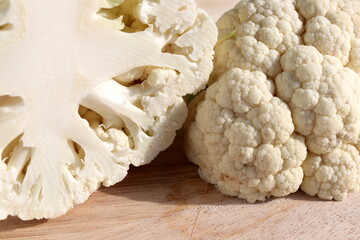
[309,53]
[89,87]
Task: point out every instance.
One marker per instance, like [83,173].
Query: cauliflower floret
[326,101]
[311,50]
[243,139]
[264,30]
[354,62]
[333,175]
[328,38]
[326,110]
[332,26]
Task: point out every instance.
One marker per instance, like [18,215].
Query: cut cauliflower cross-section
[310,50]
[254,134]
[89,87]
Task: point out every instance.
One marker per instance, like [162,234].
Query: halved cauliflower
[89,87]
[310,51]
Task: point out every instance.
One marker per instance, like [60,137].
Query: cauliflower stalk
[89,87]
[283,110]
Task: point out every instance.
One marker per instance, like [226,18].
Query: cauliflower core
[307,54]
[89,87]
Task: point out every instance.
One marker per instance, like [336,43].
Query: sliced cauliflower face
[310,50]
[243,139]
[89,87]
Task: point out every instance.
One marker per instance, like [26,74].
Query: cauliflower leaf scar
[89,87]
[283,110]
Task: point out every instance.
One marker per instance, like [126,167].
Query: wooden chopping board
[168,200]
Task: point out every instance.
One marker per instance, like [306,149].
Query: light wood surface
[167,200]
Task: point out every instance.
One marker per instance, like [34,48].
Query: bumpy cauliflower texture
[254,142]
[88,87]
[247,138]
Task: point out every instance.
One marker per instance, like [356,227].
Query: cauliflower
[307,53]
[247,137]
[89,87]
[325,106]
[263,31]
[334,174]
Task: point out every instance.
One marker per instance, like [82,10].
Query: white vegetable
[89,87]
[325,106]
[310,51]
[244,139]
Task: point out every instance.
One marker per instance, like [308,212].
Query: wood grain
[168,200]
